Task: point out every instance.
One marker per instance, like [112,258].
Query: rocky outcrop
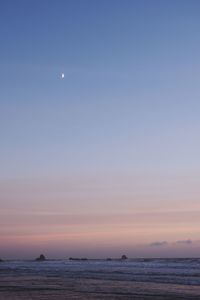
[75,258]
[124,257]
[41,258]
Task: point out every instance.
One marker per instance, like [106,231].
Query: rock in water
[41,258]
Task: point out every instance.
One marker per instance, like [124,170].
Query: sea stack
[1,260]
[41,258]
[124,257]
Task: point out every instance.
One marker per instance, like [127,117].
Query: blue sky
[131,75]
[128,106]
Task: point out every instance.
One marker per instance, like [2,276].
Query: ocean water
[101,279]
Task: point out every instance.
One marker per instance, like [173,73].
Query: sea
[135,279]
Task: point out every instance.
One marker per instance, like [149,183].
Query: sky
[105,161]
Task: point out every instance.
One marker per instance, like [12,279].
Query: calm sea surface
[100,279]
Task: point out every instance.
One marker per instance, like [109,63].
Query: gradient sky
[106,161]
